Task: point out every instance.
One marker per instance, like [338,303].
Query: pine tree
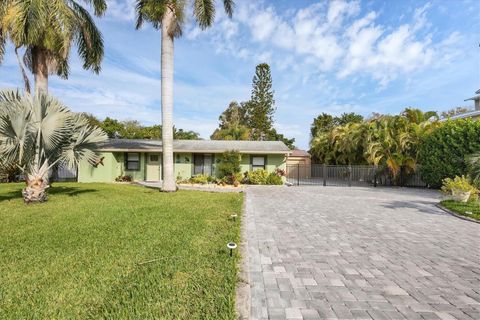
[261,107]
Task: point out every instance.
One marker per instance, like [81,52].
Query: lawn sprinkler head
[231,246]
[234,217]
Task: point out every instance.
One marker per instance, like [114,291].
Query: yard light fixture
[234,217]
[231,246]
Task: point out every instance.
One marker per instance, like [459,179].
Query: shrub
[258,176]
[211,179]
[199,179]
[126,178]
[274,179]
[458,185]
[228,164]
[473,169]
[442,153]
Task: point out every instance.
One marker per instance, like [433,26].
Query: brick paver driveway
[359,253]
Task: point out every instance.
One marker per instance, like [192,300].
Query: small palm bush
[39,132]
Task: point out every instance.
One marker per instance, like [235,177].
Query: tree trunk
[36,190]
[40,69]
[167,102]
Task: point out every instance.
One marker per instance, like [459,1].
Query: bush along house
[142,159]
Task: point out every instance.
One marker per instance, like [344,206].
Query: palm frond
[2,45]
[26,81]
[83,142]
[89,39]
[204,12]
[39,129]
[152,11]
[99,6]
[229,5]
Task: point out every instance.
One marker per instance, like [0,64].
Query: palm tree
[45,30]
[38,133]
[168,15]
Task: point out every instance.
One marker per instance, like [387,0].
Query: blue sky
[334,57]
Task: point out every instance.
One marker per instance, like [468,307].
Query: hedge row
[443,152]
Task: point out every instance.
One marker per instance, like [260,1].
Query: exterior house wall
[102,173]
[183,167]
[275,161]
[114,166]
[245,163]
[137,175]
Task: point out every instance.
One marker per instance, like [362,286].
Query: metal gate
[348,175]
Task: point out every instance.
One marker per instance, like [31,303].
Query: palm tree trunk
[167,102]
[40,69]
[36,189]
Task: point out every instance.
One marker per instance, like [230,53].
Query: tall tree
[238,132]
[323,123]
[261,107]
[455,111]
[45,30]
[168,15]
[234,115]
[232,123]
[346,118]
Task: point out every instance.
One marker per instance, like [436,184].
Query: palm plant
[168,15]
[45,30]
[347,143]
[383,145]
[37,133]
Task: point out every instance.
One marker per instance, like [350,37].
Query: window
[132,161]
[258,162]
[154,158]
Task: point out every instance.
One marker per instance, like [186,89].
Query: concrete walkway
[359,253]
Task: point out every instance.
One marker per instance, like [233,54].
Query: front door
[207,164]
[202,164]
[153,167]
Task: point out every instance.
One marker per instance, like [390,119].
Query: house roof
[471,114]
[474,98]
[477,92]
[200,146]
[299,153]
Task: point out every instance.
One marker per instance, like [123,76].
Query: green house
[142,159]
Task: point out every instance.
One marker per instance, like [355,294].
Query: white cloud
[340,9]
[333,37]
[121,9]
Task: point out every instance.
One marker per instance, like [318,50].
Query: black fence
[354,175]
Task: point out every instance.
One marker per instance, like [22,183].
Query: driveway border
[243,294]
[438,205]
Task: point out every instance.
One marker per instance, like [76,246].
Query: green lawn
[117,252]
[460,208]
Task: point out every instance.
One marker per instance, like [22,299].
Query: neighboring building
[142,159]
[475,114]
[476,100]
[299,164]
[298,156]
